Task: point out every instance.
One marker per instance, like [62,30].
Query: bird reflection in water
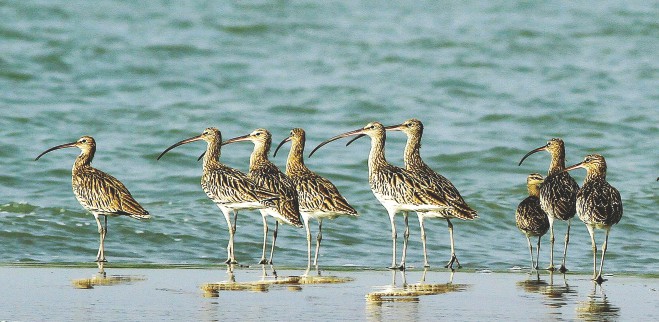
[533,284]
[267,282]
[411,292]
[597,307]
[102,279]
[558,294]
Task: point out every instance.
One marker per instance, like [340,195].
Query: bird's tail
[143,216]
[463,212]
[289,210]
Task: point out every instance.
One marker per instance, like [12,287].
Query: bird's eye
[83,140]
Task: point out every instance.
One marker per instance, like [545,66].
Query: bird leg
[233,230]
[423,240]
[100,256]
[537,258]
[406,236]
[592,241]
[528,241]
[563,269]
[308,231]
[599,278]
[265,238]
[453,257]
[274,240]
[393,239]
[551,267]
[319,238]
[230,257]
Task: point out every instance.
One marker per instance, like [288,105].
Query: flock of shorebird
[299,194]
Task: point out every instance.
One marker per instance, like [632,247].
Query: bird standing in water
[266,175]
[397,189]
[230,189]
[558,195]
[530,218]
[450,197]
[317,196]
[98,192]
[599,204]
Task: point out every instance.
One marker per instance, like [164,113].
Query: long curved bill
[61,146]
[572,167]
[542,148]
[397,127]
[237,139]
[358,132]
[280,144]
[355,138]
[192,139]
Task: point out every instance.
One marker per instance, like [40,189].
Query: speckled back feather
[101,193]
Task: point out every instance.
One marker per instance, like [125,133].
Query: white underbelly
[391,205]
[242,205]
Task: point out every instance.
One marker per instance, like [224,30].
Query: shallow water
[490,82]
[176,294]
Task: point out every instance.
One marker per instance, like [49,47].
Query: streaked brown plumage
[265,174]
[599,204]
[98,192]
[530,218]
[449,196]
[318,197]
[230,189]
[558,194]
[397,189]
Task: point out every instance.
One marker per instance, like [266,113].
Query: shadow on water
[267,281]
[102,279]
[597,307]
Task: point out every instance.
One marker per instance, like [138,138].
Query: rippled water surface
[490,81]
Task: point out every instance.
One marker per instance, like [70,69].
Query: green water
[490,82]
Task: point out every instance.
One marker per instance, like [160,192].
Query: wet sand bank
[211,294]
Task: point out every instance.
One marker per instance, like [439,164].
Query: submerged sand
[208,294]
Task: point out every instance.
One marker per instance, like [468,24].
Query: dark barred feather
[268,176]
[403,187]
[599,203]
[223,185]
[448,194]
[530,218]
[317,193]
[558,196]
[101,193]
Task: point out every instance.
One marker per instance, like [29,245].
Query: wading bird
[396,188]
[558,195]
[530,218]
[448,195]
[230,189]
[599,204]
[266,175]
[317,196]
[98,192]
